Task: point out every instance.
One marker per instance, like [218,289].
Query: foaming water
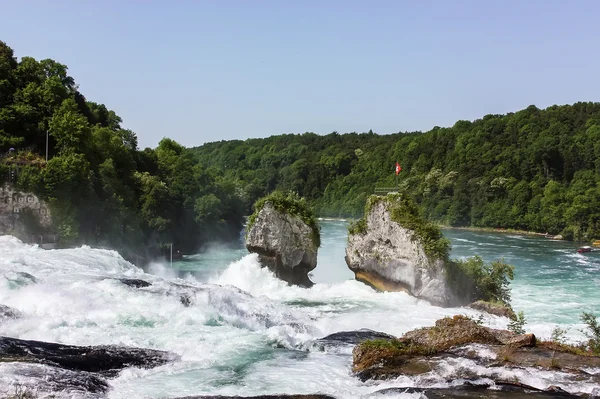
[241,331]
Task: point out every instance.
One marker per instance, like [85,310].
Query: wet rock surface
[97,359]
[50,379]
[501,390]
[343,341]
[442,350]
[315,396]
[135,283]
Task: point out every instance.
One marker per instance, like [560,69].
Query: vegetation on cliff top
[292,204]
[404,211]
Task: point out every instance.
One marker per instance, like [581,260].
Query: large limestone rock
[284,243]
[390,257]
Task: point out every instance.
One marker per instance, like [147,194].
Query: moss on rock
[292,204]
[404,211]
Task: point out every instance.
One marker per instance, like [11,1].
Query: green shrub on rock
[473,279]
[594,331]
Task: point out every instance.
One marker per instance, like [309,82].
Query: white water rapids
[245,332]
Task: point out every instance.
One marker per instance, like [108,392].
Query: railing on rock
[385,190]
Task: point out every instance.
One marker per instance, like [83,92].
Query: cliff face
[22,214]
[390,257]
[284,244]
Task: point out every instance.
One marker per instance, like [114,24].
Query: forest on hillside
[103,190]
[536,170]
[533,169]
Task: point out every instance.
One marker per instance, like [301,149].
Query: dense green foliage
[292,204]
[101,189]
[535,169]
[472,279]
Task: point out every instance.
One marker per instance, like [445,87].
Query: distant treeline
[536,170]
[101,188]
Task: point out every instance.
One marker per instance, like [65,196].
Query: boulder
[344,341]
[429,349]
[393,249]
[282,396]
[95,359]
[284,242]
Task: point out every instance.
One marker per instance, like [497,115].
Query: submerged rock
[454,339]
[7,312]
[81,358]
[355,337]
[345,339]
[135,282]
[39,378]
[283,239]
[495,308]
[386,251]
[283,396]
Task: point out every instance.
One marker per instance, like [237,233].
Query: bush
[292,204]
[517,325]
[358,227]
[594,331]
[472,279]
[559,335]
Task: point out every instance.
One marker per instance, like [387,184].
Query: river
[248,333]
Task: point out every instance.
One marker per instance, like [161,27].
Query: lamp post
[46,146]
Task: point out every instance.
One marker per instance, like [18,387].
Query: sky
[202,71]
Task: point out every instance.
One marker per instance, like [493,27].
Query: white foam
[243,332]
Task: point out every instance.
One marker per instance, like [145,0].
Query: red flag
[398,168]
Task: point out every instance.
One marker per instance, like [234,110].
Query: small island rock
[283,233]
[389,256]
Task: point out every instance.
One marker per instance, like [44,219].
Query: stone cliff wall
[21,213]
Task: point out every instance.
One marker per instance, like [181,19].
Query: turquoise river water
[247,333]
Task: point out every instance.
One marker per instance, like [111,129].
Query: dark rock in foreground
[309,396]
[50,379]
[502,390]
[452,339]
[98,359]
[355,337]
[344,340]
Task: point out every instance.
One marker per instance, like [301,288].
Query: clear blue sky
[200,71]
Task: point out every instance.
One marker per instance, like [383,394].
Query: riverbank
[501,230]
